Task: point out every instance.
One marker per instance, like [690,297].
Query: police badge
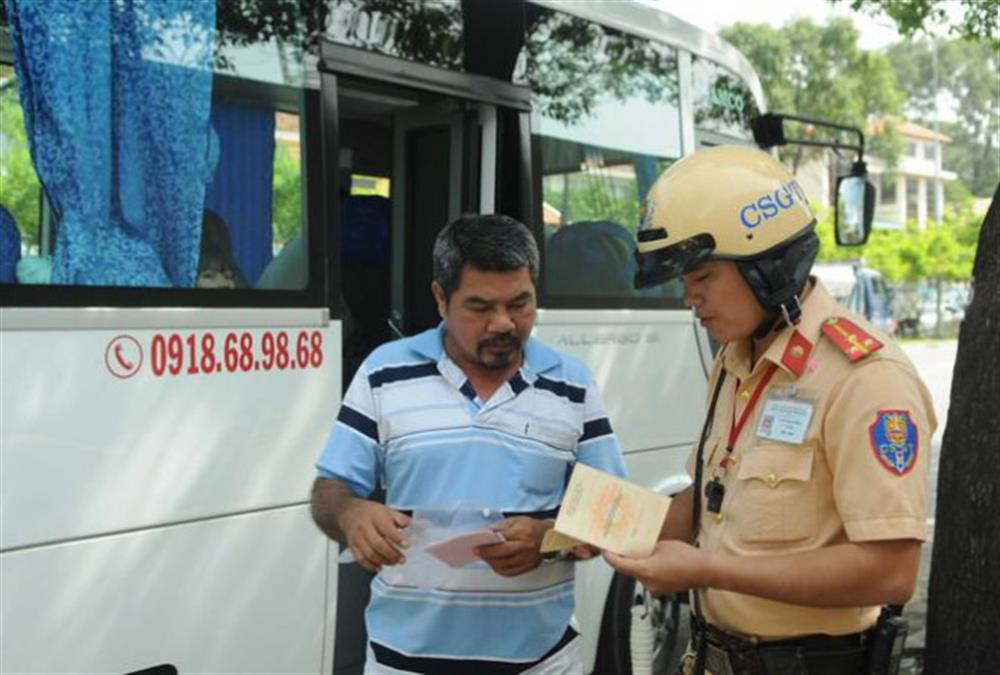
[894,441]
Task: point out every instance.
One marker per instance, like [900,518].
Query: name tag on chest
[785,420]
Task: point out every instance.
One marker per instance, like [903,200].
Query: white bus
[168,380]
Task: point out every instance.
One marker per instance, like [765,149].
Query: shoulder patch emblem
[854,342]
[894,441]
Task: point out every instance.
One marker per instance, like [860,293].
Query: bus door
[430,148]
[415,147]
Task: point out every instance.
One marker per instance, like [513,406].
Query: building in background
[912,190]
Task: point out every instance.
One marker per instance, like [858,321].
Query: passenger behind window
[590,258]
[216,267]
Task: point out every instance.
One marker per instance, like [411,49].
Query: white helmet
[730,203]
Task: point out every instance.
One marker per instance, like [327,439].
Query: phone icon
[123,356]
[122,361]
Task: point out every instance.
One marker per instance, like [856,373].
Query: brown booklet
[607,512]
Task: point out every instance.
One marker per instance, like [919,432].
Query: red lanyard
[736,427]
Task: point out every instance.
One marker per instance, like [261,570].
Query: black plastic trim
[342,60]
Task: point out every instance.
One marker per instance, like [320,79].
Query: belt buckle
[717,660]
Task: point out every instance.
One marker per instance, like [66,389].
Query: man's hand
[519,553]
[373,534]
[584,552]
[672,567]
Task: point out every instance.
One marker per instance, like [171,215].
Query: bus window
[252,222]
[723,103]
[598,155]
[199,193]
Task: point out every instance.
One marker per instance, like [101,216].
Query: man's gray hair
[491,243]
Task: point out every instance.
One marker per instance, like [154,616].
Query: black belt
[540,515]
[729,654]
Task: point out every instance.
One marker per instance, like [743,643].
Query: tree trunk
[963,610]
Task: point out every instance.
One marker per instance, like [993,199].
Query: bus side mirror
[855,207]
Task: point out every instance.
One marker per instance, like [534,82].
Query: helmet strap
[765,326]
[788,314]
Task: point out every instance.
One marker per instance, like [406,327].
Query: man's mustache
[505,340]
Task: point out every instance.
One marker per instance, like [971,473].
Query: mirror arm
[768,131]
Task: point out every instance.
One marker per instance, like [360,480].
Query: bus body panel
[647,366]
[153,519]
[241,594]
[122,452]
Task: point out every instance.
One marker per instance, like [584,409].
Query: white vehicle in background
[860,289]
[158,443]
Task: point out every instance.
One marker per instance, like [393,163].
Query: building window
[911,198]
[913,149]
[930,150]
[887,189]
[932,211]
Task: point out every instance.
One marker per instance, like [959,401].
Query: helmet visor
[663,264]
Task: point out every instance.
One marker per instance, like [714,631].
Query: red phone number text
[176,354]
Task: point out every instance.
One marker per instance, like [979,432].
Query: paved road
[935,359]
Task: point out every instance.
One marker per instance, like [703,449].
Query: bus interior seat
[590,258]
[289,269]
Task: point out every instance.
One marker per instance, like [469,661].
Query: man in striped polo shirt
[472,414]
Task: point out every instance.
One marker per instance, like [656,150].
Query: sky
[712,15]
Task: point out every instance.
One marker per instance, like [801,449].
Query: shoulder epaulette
[855,343]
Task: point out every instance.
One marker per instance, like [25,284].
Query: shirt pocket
[543,474]
[778,500]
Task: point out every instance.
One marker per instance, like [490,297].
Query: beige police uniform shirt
[858,473]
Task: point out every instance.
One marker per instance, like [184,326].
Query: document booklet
[608,512]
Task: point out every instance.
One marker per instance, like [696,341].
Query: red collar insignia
[796,353]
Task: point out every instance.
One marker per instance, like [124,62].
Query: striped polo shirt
[412,422]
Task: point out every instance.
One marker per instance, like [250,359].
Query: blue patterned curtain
[116,97]
[242,189]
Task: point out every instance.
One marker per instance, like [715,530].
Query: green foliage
[596,197]
[20,191]
[887,144]
[287,195]
[942,252]
[965,72]
[957,193]
[978,22]
[819,71]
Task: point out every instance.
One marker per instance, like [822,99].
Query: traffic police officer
[808,508]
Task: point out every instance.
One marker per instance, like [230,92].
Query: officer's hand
[519,553]
[672,567]
[373,534]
